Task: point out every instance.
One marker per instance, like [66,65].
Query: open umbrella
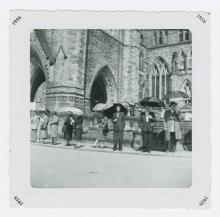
[175,95]
[73,110]
[33,106]
[99,107]
[152,102]
[110,109]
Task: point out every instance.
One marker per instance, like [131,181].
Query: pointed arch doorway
[37,81]
[103,88]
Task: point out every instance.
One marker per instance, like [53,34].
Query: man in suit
[146,123]
[118,128]
[172,127]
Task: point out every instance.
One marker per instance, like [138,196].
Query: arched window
[182,61]
[166,37]
[155,39]
[160,37]
[187,35]
[141,39]
[190,59]
[143,90]
[141,61]
[159,78]
[187,88]
[181,35]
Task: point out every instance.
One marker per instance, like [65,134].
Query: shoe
[115,149]
[120,149]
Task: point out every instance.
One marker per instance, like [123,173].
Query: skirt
[78,134]
[34,135]
[43,134]
[53,130]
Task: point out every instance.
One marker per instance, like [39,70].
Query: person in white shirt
[172,127]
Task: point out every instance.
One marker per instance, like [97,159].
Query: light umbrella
[73,110]
[99,107]
[32,105]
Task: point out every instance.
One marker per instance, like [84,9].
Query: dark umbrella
[175,95]
[110,109]
[152,102]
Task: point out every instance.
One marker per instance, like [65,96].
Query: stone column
[150,86]
[160,86]
[69,48]
[130,66]
[165,84]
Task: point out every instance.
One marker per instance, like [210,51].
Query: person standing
[34,126]
[102,131]
[68,128]
[54,120]
[78,130]
[43,126]
[172,127]
[146,123]
[118,128]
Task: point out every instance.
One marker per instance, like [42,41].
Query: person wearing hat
[68,128]
[78,130]
[118,128]
[54,120]
[146,123]
[172,126]
[43,126]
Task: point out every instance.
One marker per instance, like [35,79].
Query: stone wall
[103,50]
[166,52]
[71,59]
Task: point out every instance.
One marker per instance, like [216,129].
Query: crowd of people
[44,125]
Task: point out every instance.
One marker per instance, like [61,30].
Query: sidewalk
[89,146]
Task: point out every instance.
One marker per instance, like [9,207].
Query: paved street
[60,166]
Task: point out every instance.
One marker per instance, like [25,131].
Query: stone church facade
[83,67]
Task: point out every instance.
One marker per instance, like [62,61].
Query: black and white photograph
[109,112]
[111,108]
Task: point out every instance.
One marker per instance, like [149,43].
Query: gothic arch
[37,52]
[182,60]
[143,91]
[38,77]
[103,87]
[141,60]
[159,78]
[189,58]
[160,59]
[186,87]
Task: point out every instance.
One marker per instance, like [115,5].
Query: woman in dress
[68,128]
[34,126]
[102,131]
[78,130]
[43,126]
[54,120]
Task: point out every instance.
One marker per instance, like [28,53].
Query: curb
[162,154]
